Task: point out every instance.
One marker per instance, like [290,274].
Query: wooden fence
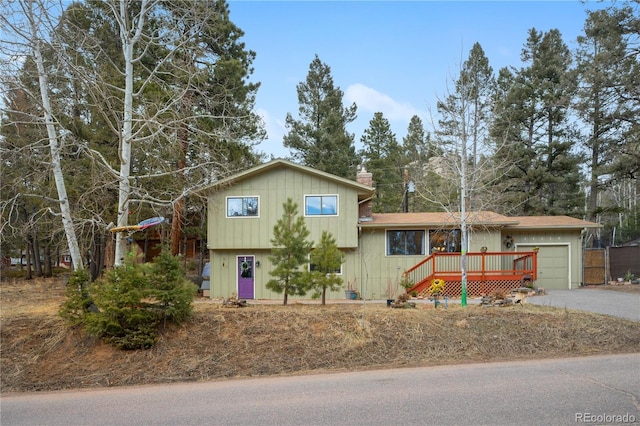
[604,265]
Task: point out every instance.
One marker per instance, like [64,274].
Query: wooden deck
[486,272]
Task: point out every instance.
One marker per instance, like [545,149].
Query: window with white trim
[321,205]
[242,206]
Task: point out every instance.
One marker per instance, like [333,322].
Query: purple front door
[245,277]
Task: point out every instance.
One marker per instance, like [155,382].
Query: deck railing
[485,271]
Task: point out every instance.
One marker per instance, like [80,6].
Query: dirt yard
[40,353]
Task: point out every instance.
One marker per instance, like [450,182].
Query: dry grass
[623,288]
[38,352]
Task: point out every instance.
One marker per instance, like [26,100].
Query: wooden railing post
[433,263]
[482,285]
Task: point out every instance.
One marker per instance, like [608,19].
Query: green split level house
[380,249]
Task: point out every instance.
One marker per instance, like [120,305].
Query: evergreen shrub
[132,300]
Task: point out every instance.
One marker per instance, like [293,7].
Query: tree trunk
[594,186]
[463,215]
[128,38]
[176,227]
[35,245]
[54,147]
[96,261]
[124,188]
[145,250]
[99,257]
[178,206]
[47,270]
[28,274]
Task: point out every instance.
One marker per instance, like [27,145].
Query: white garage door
[553,267]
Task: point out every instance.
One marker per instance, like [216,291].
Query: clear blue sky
[389,56]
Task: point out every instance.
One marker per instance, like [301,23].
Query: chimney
[365,208]
[364,177]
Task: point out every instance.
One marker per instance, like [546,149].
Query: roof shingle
[480,218]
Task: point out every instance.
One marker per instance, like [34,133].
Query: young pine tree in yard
[122,317]
[170,288]
[289,253]
[326,260]
[133,300]
[78,300]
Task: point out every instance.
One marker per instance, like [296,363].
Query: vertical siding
[273,188]
[224,274]
[372,269]
[251,236]
[490,238]
[378,269]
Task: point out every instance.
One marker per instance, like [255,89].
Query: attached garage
[554,270]
[559,240]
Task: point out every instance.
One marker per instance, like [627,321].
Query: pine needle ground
[40,353]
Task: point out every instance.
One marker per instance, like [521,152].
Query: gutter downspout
[365,200]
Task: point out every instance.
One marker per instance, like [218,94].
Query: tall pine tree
[418,149]
[609,109]
[533,111]
[383,158]
[319,138]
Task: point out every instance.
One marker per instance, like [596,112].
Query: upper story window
[405,242]
[321,205]
[242,206]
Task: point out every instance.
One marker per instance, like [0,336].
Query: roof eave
[373,224]
[556,227]
[279,162]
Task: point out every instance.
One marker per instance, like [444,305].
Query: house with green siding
[379,248]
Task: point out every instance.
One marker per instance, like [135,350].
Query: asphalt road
[608,302]
[592,390]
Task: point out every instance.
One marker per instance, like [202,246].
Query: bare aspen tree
[465,173]
[185,112]
[156,101]
[27,22]
[130,32]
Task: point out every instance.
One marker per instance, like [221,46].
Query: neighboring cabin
[244,208]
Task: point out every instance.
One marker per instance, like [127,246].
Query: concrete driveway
[617,304]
